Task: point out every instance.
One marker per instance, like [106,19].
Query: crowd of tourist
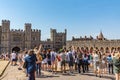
[5,56]
[68,61]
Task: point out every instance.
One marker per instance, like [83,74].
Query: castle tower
[5,36]
[65,37]
[28,35]
[53,36]
[58,38]
[52,33]
[100,36]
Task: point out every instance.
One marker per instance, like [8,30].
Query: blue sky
[79,17]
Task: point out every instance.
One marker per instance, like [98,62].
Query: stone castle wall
[99,44]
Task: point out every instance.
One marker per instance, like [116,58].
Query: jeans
[79,66]
[38,68]
[86,67]
[31,75]
[110,67]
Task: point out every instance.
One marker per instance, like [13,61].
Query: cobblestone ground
[12,73]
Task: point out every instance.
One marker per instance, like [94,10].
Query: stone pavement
[3,66]
[12,73]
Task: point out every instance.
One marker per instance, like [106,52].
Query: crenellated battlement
[82,38]
[35,30]
[28,24]
[17,30]
[5,21]
[60,33]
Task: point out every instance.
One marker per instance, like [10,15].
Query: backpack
[117,63]
[80,56]
[110,61]
[63,56]
[71,56]
[53,57]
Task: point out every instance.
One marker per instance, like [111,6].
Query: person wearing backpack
[70,60]
[116,65]
[80,60]
[63,61]
[53,61]
[110,64]
[85,60]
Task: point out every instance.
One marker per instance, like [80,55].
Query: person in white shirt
[13,58]
[53,60]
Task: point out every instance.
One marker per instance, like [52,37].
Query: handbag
[25,65]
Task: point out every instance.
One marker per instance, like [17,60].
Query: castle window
[3,37]
[34,38]
[49,46]
[17,39]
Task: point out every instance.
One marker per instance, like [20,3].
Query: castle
[89,43]
[16,40]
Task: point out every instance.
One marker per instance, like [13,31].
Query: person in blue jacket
[30,60]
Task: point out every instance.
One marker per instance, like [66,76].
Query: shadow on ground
[103,76]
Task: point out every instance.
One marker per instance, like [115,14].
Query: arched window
[107,50]
[91,49]
[102,49]
[112,49]
[118,48]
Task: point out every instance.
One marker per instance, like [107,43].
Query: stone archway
[107,50]
[82,48]
[96,48]
[118,48]
[102,49]
[112,49]
[91,49]
[16,49]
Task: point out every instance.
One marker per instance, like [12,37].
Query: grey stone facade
[18,39]
[28,38]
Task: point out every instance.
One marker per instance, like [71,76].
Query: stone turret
[5,36]
[28,35]
[100,36]
[58,38]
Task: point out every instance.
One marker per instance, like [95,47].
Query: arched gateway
[16,49]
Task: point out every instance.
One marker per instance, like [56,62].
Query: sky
[79,17]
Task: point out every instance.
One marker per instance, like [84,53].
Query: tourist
[63,61]
[53,61]
[116,65]
[85,61]
[13,58]
[103,63]
[39,59]
[97,63]
[25,54]
[30,60]
[75,56]
[70,60]
[49,60]
[110,63]
[80,60]
[58,59]
[20,60]
[44,60]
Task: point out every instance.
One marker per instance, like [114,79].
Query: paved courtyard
[12,73]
